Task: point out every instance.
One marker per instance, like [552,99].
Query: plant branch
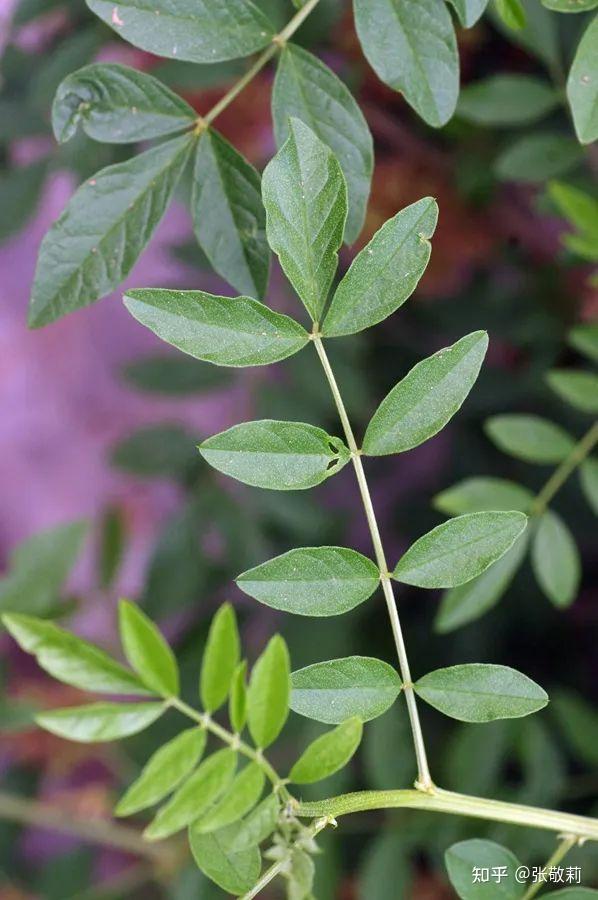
[424,781]
[560,475]
[561,851]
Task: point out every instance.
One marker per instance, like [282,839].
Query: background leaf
[220,659]
[100,721]
[506,100]
[461,859]
[268,693]
[328,753]
[480,493]
[530,438]
[147,651]
[585,337]
[555,560]
[576,387]
[339,689]
[582,85]
[534,158]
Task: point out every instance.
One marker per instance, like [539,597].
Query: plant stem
[424,781]
[561,851]
[566,468]
[578,827]
[277,42]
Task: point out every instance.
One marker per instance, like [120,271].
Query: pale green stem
[561,851]
[566,468]
[437,800]
[424,781]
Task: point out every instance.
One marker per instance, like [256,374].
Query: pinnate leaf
[71,659]
[577,387]
[282,456]
[312,581]
[220,659]
[480,493]
[461,859]
[235,871]
[305,196]
[555,560]
[147,651]
[118,105]
[242,795]
[530,438]
[268,694]
[226,331]
[458,550]
[420,405]
[328,753]
[203,31]
[506,100]
[478,692]
[237,701]
[340,689]
[582,85]
[100,722]
[385,273]
[164,770]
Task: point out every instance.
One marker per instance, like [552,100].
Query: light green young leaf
[268,693]
[385,273]
[530,438]
[283,456]
[534,158]
[581,209]
[312,581]
[237,701]
[507,100]
[478,692]
[469,11]
[483,493]
[195,795]
[575,386]
[306,89]
[147,651]
[108,222]
[202,31]
[118,105]
[411,46]
[582,85]
[461,859]
[71,659]
[305,196]
[228,216]
[468,602]
[461,549]
[235,871]
[328,753]
[339,689]
[226,331]
[100,721]
[420,405]
[588,477]
[258,825]
[220,659]
[164,770]
[512,13]
[585,337]
[570,6]
[242,795]
[555,560]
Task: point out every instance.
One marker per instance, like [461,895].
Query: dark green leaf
[268,693]
[530,438]
[242,795]
[328,753]
[582,85]
[588,476]
[505,100]
[235,872]
[463,858]
[228,216]
[97,239]
[220,659]
[237,701]
[555,560]
[482,493]
[157,451]
[537,157]
[173,375]
[100,721]
[112,543]
[118,105]
[147,651]
[339,689]
[576,387]
[20,190]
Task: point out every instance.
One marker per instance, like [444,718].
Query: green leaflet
[582,85]
[478,692]
[71,659]
[530,438]
[570,6]
[228,216]
[172,375]
[234,871]
[458,550]
[226,331]
[479,494]
[306,89]
[461,859]
[268,693]
[576,387]
[555,560]
[147,652]
[411,46]
[328,753]
[258,825]
[195,795]
[118,105]
[220,659]
[204,31]
[339,689]
[157,451]
[305,196]
[469,11]
[385,273]
[282,456]
[97,239]
[581,209]
[100,721]
[585,337]
[39,566]
[164,770]
[512,13]
[505,100]
[242,795]
[312,581]
[534,158]
[588,477]
[468,602]
[420,405]
[237,701]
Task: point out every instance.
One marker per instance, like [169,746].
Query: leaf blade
[100,722]
[220,660]
[268,693]
[234,871]
[530,438]
[555,560]
[244,792]
[582,85]
[147,651]
[328,753]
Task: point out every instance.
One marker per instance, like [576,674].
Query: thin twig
[560,475]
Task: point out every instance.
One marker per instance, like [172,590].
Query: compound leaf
[555,560]
[147,652]
[100,721]
[268,693]
[328,753]
[530,438]
[220,659]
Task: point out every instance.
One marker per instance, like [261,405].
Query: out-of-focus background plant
[103,495]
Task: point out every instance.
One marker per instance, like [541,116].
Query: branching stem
[559,854]
[560,475]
